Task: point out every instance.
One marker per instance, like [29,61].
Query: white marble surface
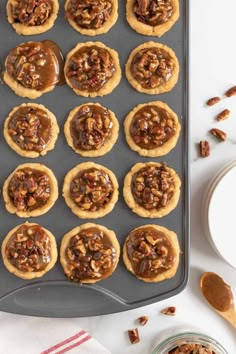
[213,70]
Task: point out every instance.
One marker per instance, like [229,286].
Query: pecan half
[231,92]
[204,148]
[219,134]
[143,320]
[170,311]
[214,100]
[223,115]
[133,335]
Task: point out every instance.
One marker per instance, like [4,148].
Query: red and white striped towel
[32,335]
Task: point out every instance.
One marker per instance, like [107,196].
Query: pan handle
[62,299]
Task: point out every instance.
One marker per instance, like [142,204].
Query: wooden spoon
[219,296]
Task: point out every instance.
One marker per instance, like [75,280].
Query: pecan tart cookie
[89,253]
[91,130]
[90,17]
[152,189]
[152,17]
[30,190]
[92,69]
[90,190]
[152,68]
[152,129]
[34,68]
[31,130]
[151,253]
[29,251]
[29,17]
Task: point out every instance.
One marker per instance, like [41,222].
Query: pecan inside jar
[190,348]
[89,14]
[29,249]
[153,187]
[90,255]
[151,127]
[152,67]
[90,68]
[30,128]
[36,65]
[153,12]
[31,12]
[91,189]
[150,252]
[91,127]
[29,189]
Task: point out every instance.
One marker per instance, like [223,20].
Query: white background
[213,71]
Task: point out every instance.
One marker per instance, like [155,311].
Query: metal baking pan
[53,295]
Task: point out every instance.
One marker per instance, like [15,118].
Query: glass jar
[186,338]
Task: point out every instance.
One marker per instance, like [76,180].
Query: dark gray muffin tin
[53,295]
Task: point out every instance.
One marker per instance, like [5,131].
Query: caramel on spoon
[219,296]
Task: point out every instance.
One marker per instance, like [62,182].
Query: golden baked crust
[101,30]
[32,30]
[110,85]
[65,242]
[168,85]
[152,213]
[39,211]
[54,131]
[169,273]
[147,29]
[29,275]
[86,214]
[160,150]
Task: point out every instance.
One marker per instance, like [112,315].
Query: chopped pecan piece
[143,320]
[204,148]
[133,335]
[223,115]
[231,92]
[219,134]
[170,311]
[214,100]
[152,12]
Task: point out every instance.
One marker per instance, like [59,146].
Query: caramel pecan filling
[91,127]
[153,12]
[31,12]
[152,67]
[89,14]
[90,254]
[191,348]
[90,68]
[34,65]
[30,128]
[29,249]
[29,189]
[153,187]
[151,127]
[91,189]
[150,252]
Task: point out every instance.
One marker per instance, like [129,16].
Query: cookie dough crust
[53,134]
[66,239]
[32,30]
[168,85]
[101,30]
[83,214]
[146,29]
[43,209]
[29,275]
[139,210]
[169,273]
[160,150]
[110,85]
[109,143]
